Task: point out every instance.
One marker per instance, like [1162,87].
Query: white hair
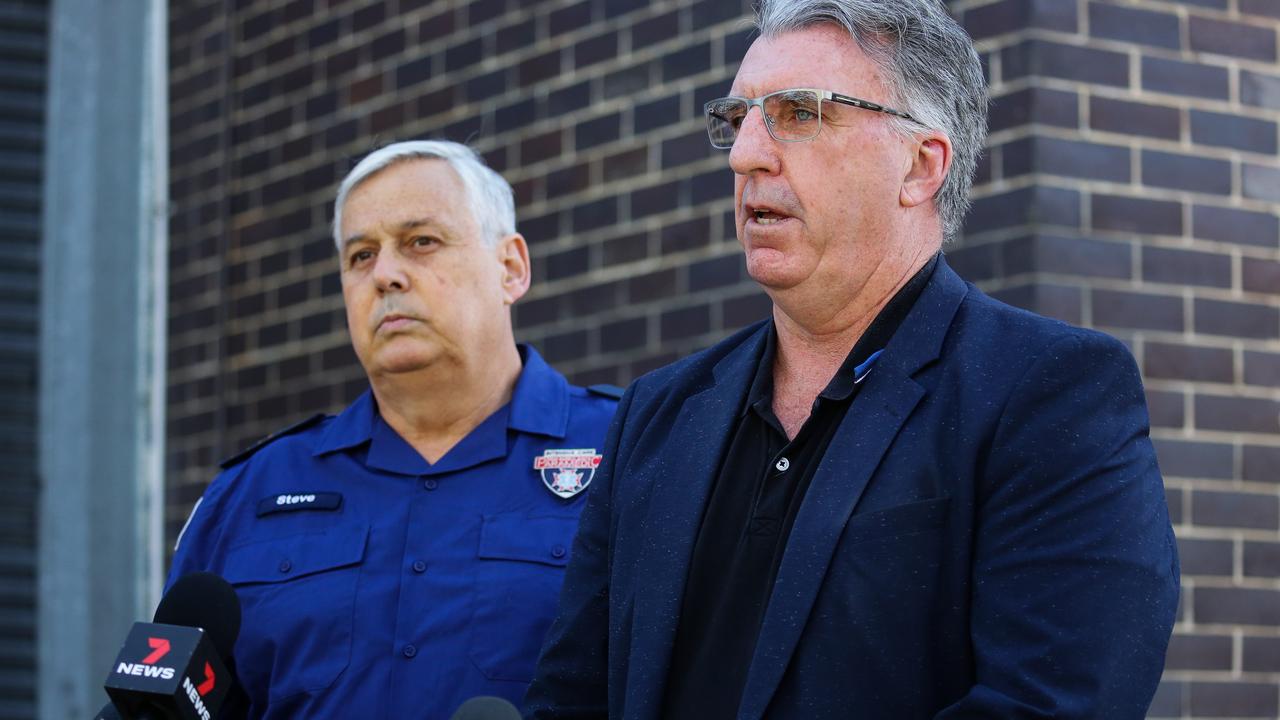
[489,196]
[930,66]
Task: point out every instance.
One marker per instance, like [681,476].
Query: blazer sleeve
[1075,571]
[571,679]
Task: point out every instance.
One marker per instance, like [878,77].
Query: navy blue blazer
[986,537]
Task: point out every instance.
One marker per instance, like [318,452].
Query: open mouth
[767,217]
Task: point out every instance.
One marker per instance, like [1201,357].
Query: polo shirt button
[783,464]
[419,566]
[409,651]
[285,566]
[557,551]
[430,484]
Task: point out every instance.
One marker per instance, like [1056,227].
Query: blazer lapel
[873,421]
[684,474]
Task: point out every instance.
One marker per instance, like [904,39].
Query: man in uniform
[405,555]
[896,498]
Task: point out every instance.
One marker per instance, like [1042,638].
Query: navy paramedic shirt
[374,584]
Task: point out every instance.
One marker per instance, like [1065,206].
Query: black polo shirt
[748,518]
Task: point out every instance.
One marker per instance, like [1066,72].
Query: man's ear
[929,167]
[513,253]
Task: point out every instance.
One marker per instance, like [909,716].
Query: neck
[435,407]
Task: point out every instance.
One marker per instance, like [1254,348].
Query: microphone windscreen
[204,600]
[485,707]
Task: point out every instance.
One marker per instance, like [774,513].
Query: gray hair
[489,196]
[931,69]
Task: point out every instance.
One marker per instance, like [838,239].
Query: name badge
[294,501]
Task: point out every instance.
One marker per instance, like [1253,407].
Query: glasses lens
[724,117]
[793,114]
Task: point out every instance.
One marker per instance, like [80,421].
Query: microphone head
[206,601]
[485,707]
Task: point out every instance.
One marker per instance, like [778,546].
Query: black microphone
[485,707]
[173,668]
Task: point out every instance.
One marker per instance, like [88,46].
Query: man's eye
[360,256]
[423,241]
[805,114]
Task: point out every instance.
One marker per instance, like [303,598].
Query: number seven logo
[207,685]
[159,648]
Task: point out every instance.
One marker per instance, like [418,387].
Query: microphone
[485,707]
[172,668]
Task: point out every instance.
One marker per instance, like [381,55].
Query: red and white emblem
[567,472]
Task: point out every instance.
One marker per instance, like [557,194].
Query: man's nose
[389,273]
[754,149]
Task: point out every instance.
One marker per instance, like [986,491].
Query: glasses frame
[830,95]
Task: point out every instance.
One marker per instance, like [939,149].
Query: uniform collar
[539,404]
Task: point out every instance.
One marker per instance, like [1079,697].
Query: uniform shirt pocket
[297,597]
[520,568]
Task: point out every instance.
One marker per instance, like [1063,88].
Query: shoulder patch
[247,452]
[609,391]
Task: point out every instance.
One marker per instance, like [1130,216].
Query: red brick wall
[1131,185]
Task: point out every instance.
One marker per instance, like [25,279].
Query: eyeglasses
[790,115]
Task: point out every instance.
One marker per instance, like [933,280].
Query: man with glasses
[896,497]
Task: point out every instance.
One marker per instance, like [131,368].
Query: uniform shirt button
[419,566]
[783,464]
[285,566]
[409,651]
[430,484]
[557,551]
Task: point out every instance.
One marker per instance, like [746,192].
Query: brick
[1186,267]
[625,249]
[716,273]
[652,286]
[520,35]
[1142,27]
[656,114]
[538,68]
[1261,182]
[1267,8]
[735,47]
[1232,38]
[1186,172]
[1066,255]
[1233,131]
[566,100]
[654,200]
[1260,463]
[1262,368]
[624,335]
[594,299]
[1261,559]
[1039,204]
[710,12]
[1233,699]
[1237,414]
[1202,556]
[1234,225]
[685,149]
[565,347]
[1188,362]
[1220,317]
[627,81]
[1235,510]
[1260,89]
[687,235]
[484,10]
[1134,118]
[575,261]
[615,8]
[568,180]
[1166,409]
[1072,158]
[686,61]
[1131,214]
[1260,654]
[595,50]
[1034,105]
[654,30]
[742,311]
[570,18]
[1007,16]
[685,322]
[368,16]
[1040,58]
[626,164]
[596,214]
[1199,652]
[598,131]
[1183,78]
[541,147]
[1139,311]
[1169,700]
[1195,459]
[1055,301]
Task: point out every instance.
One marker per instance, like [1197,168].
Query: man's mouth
[768,217]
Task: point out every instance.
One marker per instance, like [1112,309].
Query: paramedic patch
[567,472]
[294,501]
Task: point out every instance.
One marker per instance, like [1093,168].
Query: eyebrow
[406,225]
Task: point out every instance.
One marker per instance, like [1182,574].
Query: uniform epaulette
[609,391]
[296,427]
